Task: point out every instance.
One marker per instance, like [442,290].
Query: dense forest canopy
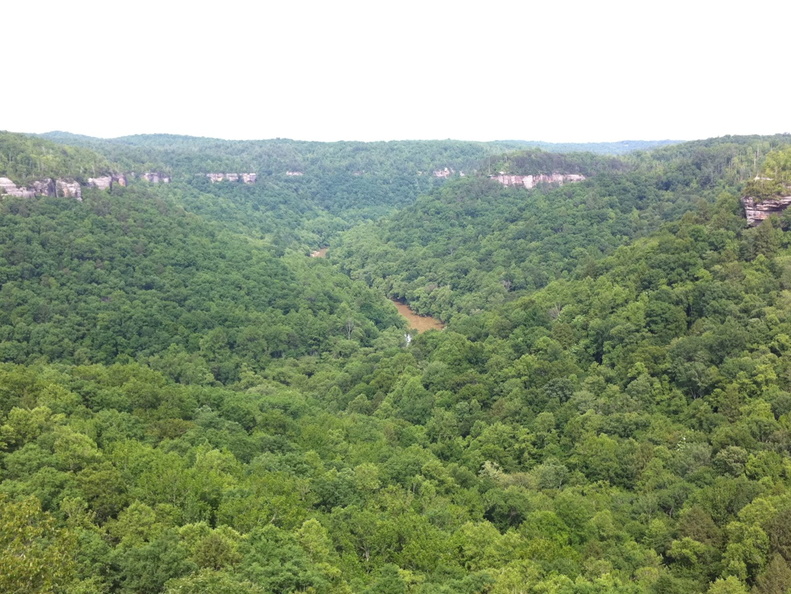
[473,244]
[538,162]
[774,179]
[25,158]
[193,156]
[602,148]
[189,403]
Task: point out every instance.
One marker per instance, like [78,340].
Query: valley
[418,322]
[195,398]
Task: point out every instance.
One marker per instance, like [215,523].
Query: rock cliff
[61,188]
[531,181]
[155,177]
[9,188]
[65,188]
[71,188]
[248,178]
[68,188]
[756,210]
[103,183]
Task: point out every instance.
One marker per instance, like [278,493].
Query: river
[419,323]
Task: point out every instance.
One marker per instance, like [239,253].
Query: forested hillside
[188,156]
[601,148]
[305,192]
[25,158]
[189,407]
[129,275]
[475,244]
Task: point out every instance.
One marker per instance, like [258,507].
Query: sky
[560,71]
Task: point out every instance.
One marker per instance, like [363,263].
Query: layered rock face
[155,177]
[64,188]
[107,182]
[756,211]
[103,183]
[9,188]
[44,187]
[531,181]
[68,189]
[248,178]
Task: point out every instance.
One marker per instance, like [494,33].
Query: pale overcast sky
[557,71]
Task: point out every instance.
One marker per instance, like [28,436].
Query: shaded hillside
[129,275]
[475,244]
[27,158]
[623,432]
[703,164]
[184,410]
[537,162]
[305,192]
[192,156]
[621,147]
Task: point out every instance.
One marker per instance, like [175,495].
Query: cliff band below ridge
[756,211]
[531,181]
[70,187]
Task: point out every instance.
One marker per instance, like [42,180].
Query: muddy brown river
[419,323]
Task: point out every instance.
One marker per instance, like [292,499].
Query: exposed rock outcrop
[6,184]
[103,183]
[106,182]
[531,181]
[68,188]
[155,177]
[44,187]
[64,188]
[757,210]
[248,178]
[9,188]
[61,188]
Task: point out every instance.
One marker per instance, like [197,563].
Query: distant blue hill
[605,148]
[154,140]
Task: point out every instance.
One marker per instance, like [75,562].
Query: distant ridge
[605,148]
[610,148]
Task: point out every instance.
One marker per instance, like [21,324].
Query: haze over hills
[606,148]
[189,403]
[194,155]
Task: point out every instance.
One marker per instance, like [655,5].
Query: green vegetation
[332,186]
[128,275]
[195,156]
[187,409]
[537,162]
[775,177]
[473,245]
[27,158]
[600,148]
